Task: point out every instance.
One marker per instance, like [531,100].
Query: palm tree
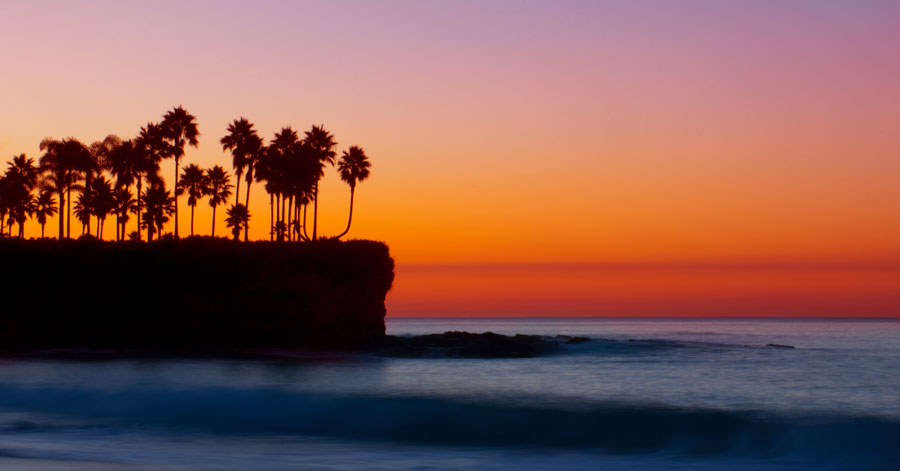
[151,147]
[193,182]
[125,203]
[159,204]
[45,207]
[180,128]
[246,150]
[273,169]
[322,143]
[19,180]
[83,211]
[353,167]
[62,164]
[237,219]
[218,189]
[103,202]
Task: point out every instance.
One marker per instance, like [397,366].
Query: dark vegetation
[121,178]
[193,293]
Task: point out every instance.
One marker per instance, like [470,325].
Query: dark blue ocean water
[642,394]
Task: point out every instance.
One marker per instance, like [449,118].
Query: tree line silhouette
[121,177]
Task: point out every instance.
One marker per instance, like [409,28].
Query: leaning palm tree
[179,129]
[246,150]
[193,182]
[353,167]
[322,143]
[237,219]
[218,189]
[44,208]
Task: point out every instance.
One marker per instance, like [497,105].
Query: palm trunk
[176,197]
[69,213]
[192,221]
[139,206]
[271,217]
[42,230]
[305,207]
[237,191]
[214,222]
[349,218]
[315,211]
[22,229]
[287,225]
[247,205]
[62,202]
[98,229]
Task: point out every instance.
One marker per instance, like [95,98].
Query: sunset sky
[665,157]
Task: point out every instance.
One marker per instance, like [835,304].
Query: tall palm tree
[273,169]
[237,219]
[246,150]
[62,164]
[218,189]
[354,167]
[83,211]
[159,204]
[322,143]
[45,207]
[180,129]
[193,182]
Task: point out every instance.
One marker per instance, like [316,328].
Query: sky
[520,143]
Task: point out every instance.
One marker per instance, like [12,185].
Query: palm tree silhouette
[125,203]
[151,148]
[273,169]
[246,150]
[159,204]
[218,189]
[193,182]
[237,219]
[44,208]
[20,179]
[322,143]
[179,128]
[103,202]
[62,164]
[353,167]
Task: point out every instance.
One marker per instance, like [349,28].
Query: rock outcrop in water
[469,345]
[193,293]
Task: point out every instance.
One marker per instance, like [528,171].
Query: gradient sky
[526,135]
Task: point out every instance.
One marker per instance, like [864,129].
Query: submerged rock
[468,345]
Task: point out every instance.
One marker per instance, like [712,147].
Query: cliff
[192,294]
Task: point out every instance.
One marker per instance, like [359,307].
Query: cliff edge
[192,293]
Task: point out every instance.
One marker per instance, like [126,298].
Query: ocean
[648,394]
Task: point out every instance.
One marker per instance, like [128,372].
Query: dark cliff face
[193,293]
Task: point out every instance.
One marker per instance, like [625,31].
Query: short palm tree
[354,167]
[179,129]
[193,182]
[237,219]
[103,202]
[150,148]
[322,143]
[159,204]
[218,189]
[125,204]
[45,207]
